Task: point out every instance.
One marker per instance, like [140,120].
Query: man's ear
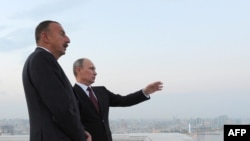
[44,37]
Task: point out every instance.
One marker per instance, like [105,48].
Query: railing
[130,138]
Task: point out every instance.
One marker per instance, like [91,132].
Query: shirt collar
[84,87]
[44,48]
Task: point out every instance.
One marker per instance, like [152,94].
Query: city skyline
[198,49]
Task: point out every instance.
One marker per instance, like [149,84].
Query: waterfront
[197,129]
[14,138]
[208,137]
[145,136]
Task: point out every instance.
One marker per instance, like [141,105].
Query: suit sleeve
[127,100]
[57,95]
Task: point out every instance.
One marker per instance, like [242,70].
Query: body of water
[208,137]
[14,138]
[145,136]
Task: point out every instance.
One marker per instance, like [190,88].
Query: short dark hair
[42,26]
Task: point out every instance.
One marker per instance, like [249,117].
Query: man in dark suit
[52,106]
[96,119]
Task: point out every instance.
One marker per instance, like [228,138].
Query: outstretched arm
[153,87]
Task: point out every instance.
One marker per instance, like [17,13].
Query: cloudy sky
[199,49]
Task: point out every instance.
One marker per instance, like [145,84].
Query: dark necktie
[93,99]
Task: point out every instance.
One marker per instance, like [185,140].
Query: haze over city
[198,49]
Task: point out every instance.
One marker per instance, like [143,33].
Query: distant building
[7,129]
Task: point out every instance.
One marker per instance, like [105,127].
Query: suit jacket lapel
[84,96]
[81,93]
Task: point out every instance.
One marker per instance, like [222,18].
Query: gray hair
[78,63]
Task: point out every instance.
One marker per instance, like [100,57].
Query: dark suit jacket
[98,124]
[52,106]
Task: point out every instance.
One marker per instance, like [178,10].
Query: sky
[199,50]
